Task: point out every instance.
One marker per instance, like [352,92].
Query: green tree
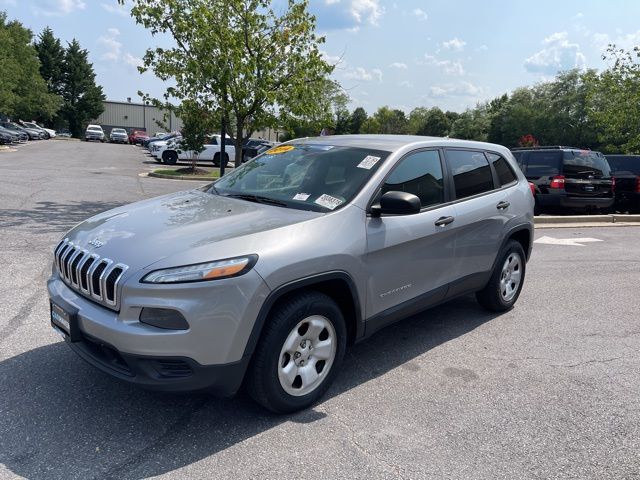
[51,56]
[417,118]
[472,124]
[82,98]
[436,124]
[196,122]
[357,119]
[614,98]
[391,121]
[239,58]
[23,92]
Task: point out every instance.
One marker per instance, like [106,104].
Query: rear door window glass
[624,164]
[542,164]
[471,172]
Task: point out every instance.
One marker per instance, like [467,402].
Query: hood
[145,232]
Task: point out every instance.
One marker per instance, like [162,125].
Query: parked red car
[136,137]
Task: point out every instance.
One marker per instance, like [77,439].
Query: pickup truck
[210,153]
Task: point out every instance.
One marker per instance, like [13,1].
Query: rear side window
[471,172]
[419,173]
[542,164]
[585,162]
[502,168]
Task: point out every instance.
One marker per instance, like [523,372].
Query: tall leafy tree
[51,56]
[82,98]
[357,119]
[391,121]
[240,58]
[23,92]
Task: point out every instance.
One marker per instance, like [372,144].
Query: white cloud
[420,14]
[557,55]
[449,67]
[460,89]
[360,73]
[454,44]
[366,11]
[627,41]
[399,65]
[132,60]
[111,44]
[58,8]
[482,48]
[332,59]
[116,9]
[405,84]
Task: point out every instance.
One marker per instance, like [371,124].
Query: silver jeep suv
[264,277]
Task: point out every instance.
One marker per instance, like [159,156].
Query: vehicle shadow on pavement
[63,419]
[51,217]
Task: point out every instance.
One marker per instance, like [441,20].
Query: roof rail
[549,147]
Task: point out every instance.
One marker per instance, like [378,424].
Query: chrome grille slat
[71,260]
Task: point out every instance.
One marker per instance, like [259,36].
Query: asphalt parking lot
[550,389]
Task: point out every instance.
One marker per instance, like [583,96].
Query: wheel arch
[336,284]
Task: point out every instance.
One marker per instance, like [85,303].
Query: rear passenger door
[479,217]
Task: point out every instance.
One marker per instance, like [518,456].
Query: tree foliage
[196,122]
[51,56]
[82,98]
[238,58]
[23,92]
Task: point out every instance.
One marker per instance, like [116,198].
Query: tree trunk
[237,142]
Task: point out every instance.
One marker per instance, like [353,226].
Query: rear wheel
[504,287]
[299,354]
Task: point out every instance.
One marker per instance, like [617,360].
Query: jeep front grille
[89,274]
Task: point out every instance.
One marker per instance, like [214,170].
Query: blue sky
[404,54]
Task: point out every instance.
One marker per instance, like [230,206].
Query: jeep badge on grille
[96,243]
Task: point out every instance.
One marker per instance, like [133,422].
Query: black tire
[216,160]
[492,295]
[170,157]
[262,380]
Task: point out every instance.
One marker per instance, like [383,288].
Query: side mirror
[397,203]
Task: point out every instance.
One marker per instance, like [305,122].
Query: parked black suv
[567,178]
[626,170]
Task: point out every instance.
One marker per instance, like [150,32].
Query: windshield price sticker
[280,149]
[301,196]
[328,201]
[368,162]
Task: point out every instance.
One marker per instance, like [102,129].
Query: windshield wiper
[257,199]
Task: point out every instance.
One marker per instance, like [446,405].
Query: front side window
[471,172]
[502,168]
[303,176]
[420,174]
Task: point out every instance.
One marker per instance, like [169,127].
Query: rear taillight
[637,184]
[613,184]
[557,182]
[532,187]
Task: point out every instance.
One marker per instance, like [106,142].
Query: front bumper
[209,355]
[94,137]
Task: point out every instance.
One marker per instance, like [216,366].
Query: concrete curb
[181,177]
[617,220]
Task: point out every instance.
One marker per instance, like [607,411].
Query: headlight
[232,267]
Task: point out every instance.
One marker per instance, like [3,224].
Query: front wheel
[504,287]
[302,346]
[216,160]
[170,157]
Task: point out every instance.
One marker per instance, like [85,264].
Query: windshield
[304,176]
[95,129]
[625,164]
[119,130]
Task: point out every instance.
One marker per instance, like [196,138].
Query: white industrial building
[130,115]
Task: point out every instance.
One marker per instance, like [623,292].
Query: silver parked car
[118,135]
[265,276]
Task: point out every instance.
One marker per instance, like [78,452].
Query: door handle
[444,221]
[503,205]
